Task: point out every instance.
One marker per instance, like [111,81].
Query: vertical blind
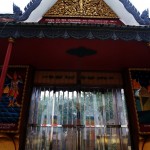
[86,120]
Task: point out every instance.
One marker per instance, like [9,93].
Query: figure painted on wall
[141,92]
[136,85]
[12,99]
[13,89]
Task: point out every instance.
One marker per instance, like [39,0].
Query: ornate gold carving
[81,8]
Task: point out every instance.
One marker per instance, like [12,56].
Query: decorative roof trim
[35,6]
[142,19]
[77,31]
[19,16]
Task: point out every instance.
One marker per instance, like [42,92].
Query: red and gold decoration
[140,81]
[13,98]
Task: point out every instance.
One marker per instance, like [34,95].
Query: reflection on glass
[71,120]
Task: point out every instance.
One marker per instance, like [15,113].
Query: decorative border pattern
[77,31]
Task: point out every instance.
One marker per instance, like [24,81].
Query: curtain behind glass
[71,119]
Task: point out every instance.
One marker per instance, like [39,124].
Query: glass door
[77,120]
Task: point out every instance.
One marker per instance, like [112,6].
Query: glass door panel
[77,120]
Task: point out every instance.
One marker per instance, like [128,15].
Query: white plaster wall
[38,13]
[121,12]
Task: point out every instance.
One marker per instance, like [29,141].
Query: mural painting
[140,80]
[11,102]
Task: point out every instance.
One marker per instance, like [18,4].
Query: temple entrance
[84,119]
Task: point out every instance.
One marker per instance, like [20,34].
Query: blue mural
[11,102]
[141,91]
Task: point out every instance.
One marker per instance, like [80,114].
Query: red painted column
[5,65]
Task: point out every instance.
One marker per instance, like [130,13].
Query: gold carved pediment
[81,8]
